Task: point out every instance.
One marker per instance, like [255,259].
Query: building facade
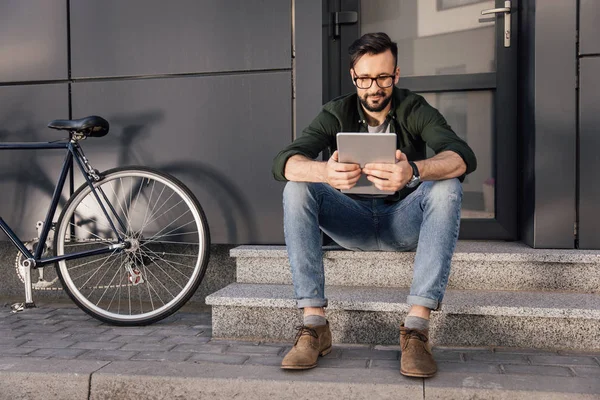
[210,90]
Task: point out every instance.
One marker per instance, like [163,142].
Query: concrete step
[543,320]
[475,266]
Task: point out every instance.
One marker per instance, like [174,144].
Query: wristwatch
[416,178]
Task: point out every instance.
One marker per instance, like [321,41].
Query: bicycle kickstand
[28,290]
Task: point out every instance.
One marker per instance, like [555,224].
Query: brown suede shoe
[416,359]
[311,342]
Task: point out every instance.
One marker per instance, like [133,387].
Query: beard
[383,103]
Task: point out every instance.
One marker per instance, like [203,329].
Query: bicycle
[131,245]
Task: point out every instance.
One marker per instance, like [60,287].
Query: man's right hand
[341,175]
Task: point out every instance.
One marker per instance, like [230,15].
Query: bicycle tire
[145,264]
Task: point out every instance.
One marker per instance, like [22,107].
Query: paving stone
[68,311]
[15,351]
[219,358]
[83,323]
[186,340]
[201,348]
[49,344]
[464,349]
[385,364]
[352,346]
[97,345]
[108,355]
[47,322]
[388,347]
[40,329]
[233,342]
[497,358]
[562,360]
[206,333]
[136,339]
[82,337]
[177,332]
[469,367]
[249,349]
[131,331]
[76,317]
[8,333]
[161,356]
[587,372]
[32,316]
[89,330]
[170,320]
[340,363]
[543,370]
[266,360]
[446,355]
[335,352]
[67,354]
[10,342]
[42,337]
[579,353]
[148,346]
[202,327]
[370,354]
[515,350]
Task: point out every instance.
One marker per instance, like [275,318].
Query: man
[424,212]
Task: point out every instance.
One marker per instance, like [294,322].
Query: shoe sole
[417,375]
[322,354]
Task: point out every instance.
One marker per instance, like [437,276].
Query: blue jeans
[428,219]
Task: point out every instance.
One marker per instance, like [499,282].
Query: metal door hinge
[336,19]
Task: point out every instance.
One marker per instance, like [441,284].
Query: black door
[464,64]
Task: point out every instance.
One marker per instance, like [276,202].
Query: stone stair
[499,294]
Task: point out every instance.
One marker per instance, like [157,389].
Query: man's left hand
[390,177]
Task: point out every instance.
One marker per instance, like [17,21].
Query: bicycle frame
[74,151]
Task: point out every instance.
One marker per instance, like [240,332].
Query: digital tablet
[363,148]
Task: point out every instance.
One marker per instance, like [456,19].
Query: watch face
[414,181]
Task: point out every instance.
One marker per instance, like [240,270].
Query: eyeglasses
[383,81]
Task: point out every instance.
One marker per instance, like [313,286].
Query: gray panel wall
[218,134]
[139,37]
[589,189]
[589,121]
[554,125]
[217,108]
[27,178]
[33,40]
[589,28]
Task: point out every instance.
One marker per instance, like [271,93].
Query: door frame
[503,82]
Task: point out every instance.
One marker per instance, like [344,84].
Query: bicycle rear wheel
[168,238]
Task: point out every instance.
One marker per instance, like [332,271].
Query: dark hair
[372,43]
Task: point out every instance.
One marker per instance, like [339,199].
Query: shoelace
[305,330]
[416,334]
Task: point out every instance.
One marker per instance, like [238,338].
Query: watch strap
[415,169]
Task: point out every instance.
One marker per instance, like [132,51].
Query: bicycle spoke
[164,261]
[152,240]
[168,263]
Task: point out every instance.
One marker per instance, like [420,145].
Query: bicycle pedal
[17,307]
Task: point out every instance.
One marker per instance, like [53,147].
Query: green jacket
[414,121]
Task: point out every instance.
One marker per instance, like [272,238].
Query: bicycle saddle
[92,126]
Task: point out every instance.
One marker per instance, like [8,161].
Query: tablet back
[362,148]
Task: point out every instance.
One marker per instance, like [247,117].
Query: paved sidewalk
[58,351]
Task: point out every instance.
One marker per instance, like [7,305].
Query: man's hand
[390,177]
[341,175]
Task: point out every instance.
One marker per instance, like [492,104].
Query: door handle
[506,10]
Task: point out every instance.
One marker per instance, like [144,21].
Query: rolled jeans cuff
[303,303]
[424,301]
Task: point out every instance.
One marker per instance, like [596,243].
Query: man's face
[380,66]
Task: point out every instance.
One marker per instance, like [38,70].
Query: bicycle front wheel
[167,251]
